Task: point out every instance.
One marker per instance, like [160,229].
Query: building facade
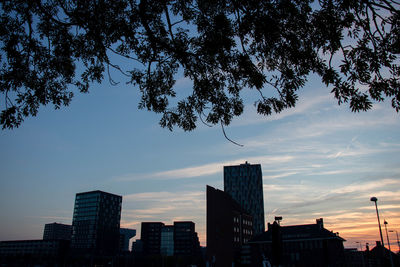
[167,240]
[125,235]
[96,223]
[186,241]
[52,252]
[298,245]
[34,248]
[57,231]
[150,236]
[244,184]
[229,227]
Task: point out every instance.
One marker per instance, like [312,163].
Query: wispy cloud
[277,176]
[202,170]
[53,218]
[163,196]
[368,186]
[303,106]
[166,207]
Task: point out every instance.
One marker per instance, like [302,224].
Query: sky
[319,160]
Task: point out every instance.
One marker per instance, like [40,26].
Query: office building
[244,184]
[125,235]
[229,227]
[57,231]
[186,241]
[179,239]
[167,240]
[96,223]
[151,237]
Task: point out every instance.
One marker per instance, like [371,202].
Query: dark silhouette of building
[354,258]
[137,247]
[151,237]
[57,231]
[31,252]
[186,241]
[96,223]
[298,245]
[244,184]
[380,256]
[125,235]
[229,226]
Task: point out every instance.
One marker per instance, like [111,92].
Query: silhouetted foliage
[223,47]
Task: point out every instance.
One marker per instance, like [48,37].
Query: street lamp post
[374,199]
[387,237]
[397,234]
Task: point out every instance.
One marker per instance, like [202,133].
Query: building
[167,240]
[298,245]
[186,241]
[229,227]
[57,231]
[151,237]
[244,184]
[179,239]
[354,257]
[125,235]
[30,252]
[137,247]
[381,256]
[96,223]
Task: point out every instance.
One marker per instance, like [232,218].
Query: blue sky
[318,160]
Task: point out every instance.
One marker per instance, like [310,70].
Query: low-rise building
[57,231]
[298,245]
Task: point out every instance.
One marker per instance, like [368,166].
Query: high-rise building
[151,237]
[57,231]
[96,223]
[244,184]
[229,227]
[167,240]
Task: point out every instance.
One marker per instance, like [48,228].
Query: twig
[223,130]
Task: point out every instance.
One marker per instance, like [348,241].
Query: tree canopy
[223,47]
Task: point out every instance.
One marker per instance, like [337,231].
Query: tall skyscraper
[244,184]
[96,223]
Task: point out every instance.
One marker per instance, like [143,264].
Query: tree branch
[223,130]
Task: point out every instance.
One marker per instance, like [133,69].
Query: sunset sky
[319,160]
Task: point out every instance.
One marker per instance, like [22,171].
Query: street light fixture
[387,237]
[374,199]
[397,234]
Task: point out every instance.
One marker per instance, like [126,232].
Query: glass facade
[244,184]
[96,222]
[167,240]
